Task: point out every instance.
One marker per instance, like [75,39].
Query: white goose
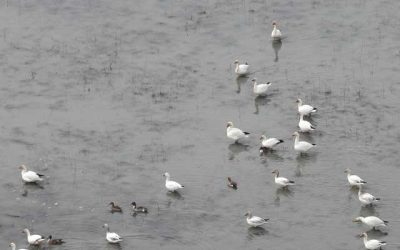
[29,176]
[282,181]
[366,198]
[301,146]
[372,222]
[269,143]
[255,221]
[354,180]
[260,89]
[276,33]
[13,246]
[111,236]
[241,69]
[304,109]
[235,133]
[171,186]
[33,239]
[305,126]
[372,244]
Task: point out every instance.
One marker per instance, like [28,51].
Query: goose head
[263,137]
[358,219]
[347,171]
[22,168]
[229,124]
[236,62]
[276,172]
[166,175]
[248,214]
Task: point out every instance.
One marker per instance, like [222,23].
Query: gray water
[103,97]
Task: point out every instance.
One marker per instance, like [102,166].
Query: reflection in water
[276,45]
[235,149]
[255,232]
[239,81]
[367,211]
[114,246]
[285,192]
[176,195]
[270,154]
[260,101]
[27,187]
[304,158]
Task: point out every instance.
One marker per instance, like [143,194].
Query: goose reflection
[255,232]
[282,192]
[276,45]
[239,81]
[235,149]
[260,101]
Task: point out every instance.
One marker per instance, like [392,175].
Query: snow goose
[231,183]
[304,109]
[255,221]
[371,221]
[260,88]
[269,143]
[235,133]
[14,247]
[372,244]
[137,209]
[282,181]
[171,186]
[51,241]
[366,198]
[301,146]
[33,239]
[115,208]
[276,33]
[111,236]
[241,69]
[29,176]
[305,126]
[354,180]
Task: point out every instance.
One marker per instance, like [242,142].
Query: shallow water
[104,98]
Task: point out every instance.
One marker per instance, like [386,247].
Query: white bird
[372,244]
[235,133]
[282,181]
[354,180]
[305,126]
[171,186]
[255,221]
[33,239]
[371,221]
[366,198]
[301,146]
[13,246]
[261,88]
[269,143]
[241,69]
[276,33]
[111,236]
[29,176]
[304,109]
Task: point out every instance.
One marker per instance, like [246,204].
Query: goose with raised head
[301,146]
[304,109]
[353,179]
[366,198]
[111,236]
[235,134]
[171,186]
[29,176]
[33,239]
[276,34]
[255,221]
[260,89]
[305,126]
[282,181]
[241,69]
[372,244]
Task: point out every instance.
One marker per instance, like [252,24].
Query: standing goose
[241,69]
[372,244]
[354,180]
[111,236]
[301,146]
[282,181]
[304,109]
[269,143]
[33,239]
[255,221]
[305,126]
[366,198]
[29,176]
[137,209]
[261,88]
[13,246]
[171,186]
[276,33]
[372,222]
[235,133]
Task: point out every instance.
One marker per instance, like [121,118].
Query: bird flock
[239,137]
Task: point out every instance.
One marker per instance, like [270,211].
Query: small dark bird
[52,241]
[115,208]
[137,209]
[232,183]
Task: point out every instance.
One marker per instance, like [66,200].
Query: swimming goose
[366,198]
[305,126]
[282,181]
[231,183]
[372,244]
[111,236]
[29,176]
[52,241]
[235,133]
[241,69]
[276,34]
[33,239]
[13,246]
[171,186]
[269,143]
[115,208]
[261,88]
[371,221]
[354,180]
[304,109]
[255,221]
[301,146]
[137,209]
